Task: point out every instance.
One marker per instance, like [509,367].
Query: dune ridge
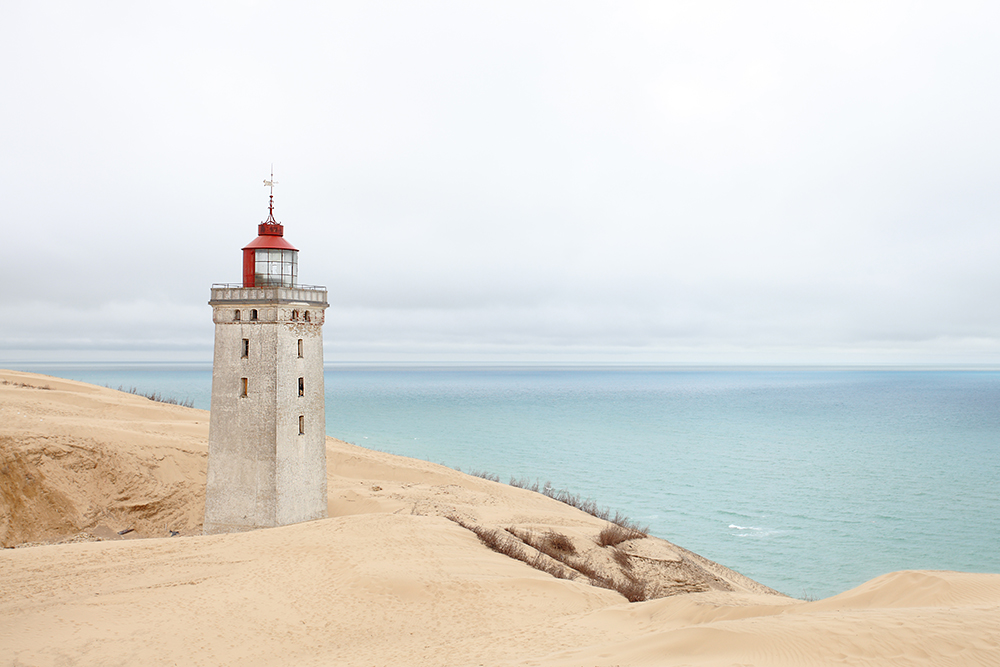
[390,577]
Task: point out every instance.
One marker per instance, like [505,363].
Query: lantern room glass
[276,268]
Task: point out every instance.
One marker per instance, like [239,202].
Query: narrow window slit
[302,424]
[246,348]
[244,387]
[302,388]
[300,348]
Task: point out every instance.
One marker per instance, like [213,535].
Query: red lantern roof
[274,241]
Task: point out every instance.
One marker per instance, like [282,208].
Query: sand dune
[83,456]
[388,579]
[902,618]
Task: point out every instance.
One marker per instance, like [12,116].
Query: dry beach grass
[399,574]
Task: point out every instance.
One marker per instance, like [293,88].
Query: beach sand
[389,578]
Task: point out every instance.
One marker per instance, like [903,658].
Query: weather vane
[270,206]
[271,183]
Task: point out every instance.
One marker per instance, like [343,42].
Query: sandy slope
[78,456]
[387,580]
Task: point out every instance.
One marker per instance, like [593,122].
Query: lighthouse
[267,434]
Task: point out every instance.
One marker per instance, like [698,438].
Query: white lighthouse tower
[267,435]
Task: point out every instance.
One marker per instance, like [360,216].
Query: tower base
[267,434]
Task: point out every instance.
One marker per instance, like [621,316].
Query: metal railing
[240,286]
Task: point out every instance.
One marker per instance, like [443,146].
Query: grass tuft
[633,589]
[583,504]
[524,483]
[614,534]
[540,562]
[24,385]
[630,588]
[559,543]
[553,544]
[156,396]
[588,570]
[622,558]
[492,539]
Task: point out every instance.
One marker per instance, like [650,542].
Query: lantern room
[269,260]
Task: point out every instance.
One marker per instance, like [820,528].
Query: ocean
[809,481]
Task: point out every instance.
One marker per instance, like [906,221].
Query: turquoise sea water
[810,481]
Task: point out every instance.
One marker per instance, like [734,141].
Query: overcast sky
[671,182]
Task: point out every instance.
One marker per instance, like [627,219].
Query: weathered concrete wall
[300,458]
[261,470]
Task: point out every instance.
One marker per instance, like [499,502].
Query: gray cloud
[512,180]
